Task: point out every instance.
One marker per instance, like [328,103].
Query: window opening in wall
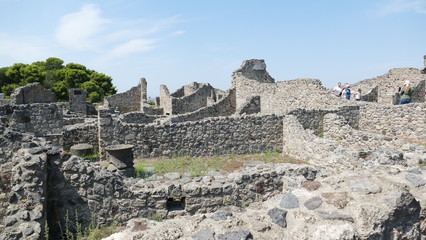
[77,92]
[175,203]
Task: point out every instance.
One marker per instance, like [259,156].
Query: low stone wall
[138,117]
[305,145]
[77,186]
[371,145]
[404,121]
[222,135]
[313,119]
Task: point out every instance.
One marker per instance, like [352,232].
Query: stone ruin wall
[129,101]
[32,93]
[192,102]
[20,179]
[372,146]
[37,118]
[285,96]
[81,133]
[165,100]
[343,146]
[77,103]
[389,83]
[313,119]
[406,121]
[370,96]
[47,185]
[224,107]
[213,136]
[188,98]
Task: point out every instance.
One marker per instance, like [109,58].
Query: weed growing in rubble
[92,232]
[94,156]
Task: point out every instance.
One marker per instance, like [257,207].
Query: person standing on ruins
[406,93]
[347,91]
[358,95]
[337,90]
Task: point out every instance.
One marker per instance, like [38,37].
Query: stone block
[82,149]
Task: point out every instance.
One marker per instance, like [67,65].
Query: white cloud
[180,32]
[88,30]
[79,30]
[133,46]
[402,6]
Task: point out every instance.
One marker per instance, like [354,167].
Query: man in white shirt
[337,90]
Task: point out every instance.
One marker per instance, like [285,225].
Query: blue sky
[177,42]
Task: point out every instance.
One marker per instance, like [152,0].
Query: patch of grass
[155,217]
[99,233]
[198,166]
[92,232]
[93,156]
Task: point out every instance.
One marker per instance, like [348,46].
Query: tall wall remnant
[77,99]
[32,93]
[424,63]
[129,101]
[252,80]
[189,98]
[254,69]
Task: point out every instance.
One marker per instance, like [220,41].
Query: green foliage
[93,156]
[155,217]
[53,74]
[92,232]
[8,89]
[46,230]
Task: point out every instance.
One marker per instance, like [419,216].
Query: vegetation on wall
[52,74]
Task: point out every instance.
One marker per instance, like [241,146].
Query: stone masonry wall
[38,118]
[224,107]
[406,121]
[165,100]
[23,185]
[305,145]
[192,102]
[283,97]
[389,83]
[371,145]
[205,137]
[81,133]
[313,119]
[76,185]
[129,101]
[10,143]
[26,211]
[32,93]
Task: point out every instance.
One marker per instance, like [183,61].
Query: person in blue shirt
[347,92]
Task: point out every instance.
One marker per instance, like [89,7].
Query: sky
[178,42]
